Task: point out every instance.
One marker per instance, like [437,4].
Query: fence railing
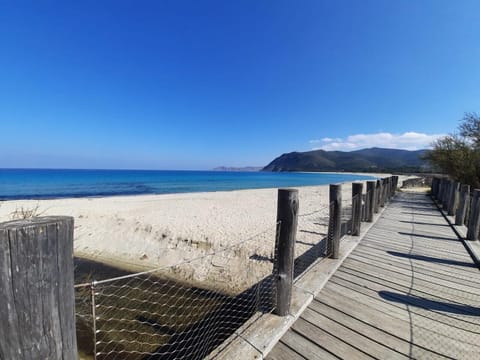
[149,315]
[460,201]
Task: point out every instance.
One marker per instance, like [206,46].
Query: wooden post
[438,185]
[370,199]
[378,194]
[334,225]
[452,208]
[385,191]
[474,221]
[441,187]
[287,212]
[37,315]
[446,195]
[395,184]
[381,197]
[357,189]
[462,205]
[434,187]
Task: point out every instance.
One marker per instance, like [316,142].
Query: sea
[65,183]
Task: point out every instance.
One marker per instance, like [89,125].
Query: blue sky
[197,84]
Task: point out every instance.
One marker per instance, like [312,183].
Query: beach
[217,240]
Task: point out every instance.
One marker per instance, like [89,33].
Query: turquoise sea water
[42,183]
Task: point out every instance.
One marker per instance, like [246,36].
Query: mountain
[244,169]
[365,160]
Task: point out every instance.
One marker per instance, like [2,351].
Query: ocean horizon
[16,184]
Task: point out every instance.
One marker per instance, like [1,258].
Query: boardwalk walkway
[409,290]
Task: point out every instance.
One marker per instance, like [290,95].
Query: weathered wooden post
[385,190]
[434,187]
[37,315]
[395,184]
[439,182]
[462,205]
[446,195]
[384,197]
[441,188]
[357,189]
[474,221]
[452,208]
[449,196]
[381,190]
[334,224]
[378,192]
[287,213]
[370,199]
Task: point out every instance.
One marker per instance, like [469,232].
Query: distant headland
[365,160]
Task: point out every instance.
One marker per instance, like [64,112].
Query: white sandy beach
[150,231]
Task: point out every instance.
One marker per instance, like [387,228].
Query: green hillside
[366,160]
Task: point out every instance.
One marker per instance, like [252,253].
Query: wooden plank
[404,272]
[461,269]
[386,306]
[372,332]
[425,241]
[372,289]
[445,237]
[433,341]
[332,344]
[447,294]
[406,249]
[441,306]
[463,264]
[283,352]
[426,269]
[420,291]
[404,314]
[305,347]
[355,339]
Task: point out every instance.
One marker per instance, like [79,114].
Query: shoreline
[224,239]
[79,195]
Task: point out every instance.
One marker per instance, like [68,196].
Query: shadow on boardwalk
[422,303]
[430,304]
[432,259]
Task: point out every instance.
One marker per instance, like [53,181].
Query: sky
[176,84]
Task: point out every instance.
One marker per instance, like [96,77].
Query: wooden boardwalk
[409,290]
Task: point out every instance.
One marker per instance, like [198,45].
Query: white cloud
[408,141]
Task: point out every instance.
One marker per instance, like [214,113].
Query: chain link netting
[157,315]
[311,240]
[187,310]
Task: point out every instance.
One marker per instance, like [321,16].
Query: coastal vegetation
[365,160]
[458,154]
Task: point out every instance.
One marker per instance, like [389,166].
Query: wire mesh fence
[311,240]
[148,315]
[186,310]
